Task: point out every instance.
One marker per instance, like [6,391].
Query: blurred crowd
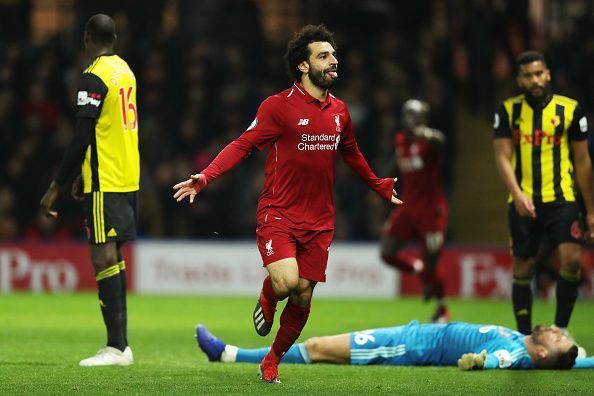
[202,76]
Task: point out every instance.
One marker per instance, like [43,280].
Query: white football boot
[109,356]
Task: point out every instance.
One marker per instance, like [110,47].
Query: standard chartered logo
[321,142]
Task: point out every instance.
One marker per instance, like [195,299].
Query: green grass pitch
[42,338]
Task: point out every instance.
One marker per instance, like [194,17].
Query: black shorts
[110,216]
[557,221]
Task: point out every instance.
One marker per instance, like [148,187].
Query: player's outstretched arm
[472,361]
[353,158]
[190,187]
[226,160]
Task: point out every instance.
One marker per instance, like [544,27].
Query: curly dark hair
[529,57]
[298,50]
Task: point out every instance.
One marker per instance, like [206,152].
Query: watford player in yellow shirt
[106,144]
[541,150]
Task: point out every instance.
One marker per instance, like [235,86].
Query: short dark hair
[529,57]
[560,361]
[101,28]
[298,50]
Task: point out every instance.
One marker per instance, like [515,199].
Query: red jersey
[419,165]
[303,136]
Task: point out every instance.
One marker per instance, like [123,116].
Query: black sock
[522,302]
[123,280]
[110,300]
[567,293]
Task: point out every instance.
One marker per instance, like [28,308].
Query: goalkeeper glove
[472,361]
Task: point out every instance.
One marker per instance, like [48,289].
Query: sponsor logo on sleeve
[86,98]
[583,124]
[504,358]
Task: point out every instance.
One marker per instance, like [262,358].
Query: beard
[546,92]
[319,79]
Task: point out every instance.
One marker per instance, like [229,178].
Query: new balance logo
[303,121]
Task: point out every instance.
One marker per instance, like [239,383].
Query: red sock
[400,261]
[268,291]
[292,321]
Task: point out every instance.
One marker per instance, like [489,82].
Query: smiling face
[534,79]
[321,66]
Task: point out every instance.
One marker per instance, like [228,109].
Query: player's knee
[314,347]
[284,285]
[523,274]
[523,268]
[572,265]
[103,257]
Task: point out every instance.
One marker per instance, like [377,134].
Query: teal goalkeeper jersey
[505,347]
[439,345]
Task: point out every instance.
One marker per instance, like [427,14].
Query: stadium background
[203,67]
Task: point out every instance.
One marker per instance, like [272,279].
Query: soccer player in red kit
[304,127]
[419,153]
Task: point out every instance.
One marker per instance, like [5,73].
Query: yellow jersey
[541,157]
[107,94]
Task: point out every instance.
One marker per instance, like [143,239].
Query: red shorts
[427,225]
[309,248]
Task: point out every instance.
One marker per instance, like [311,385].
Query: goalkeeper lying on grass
[470,346]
